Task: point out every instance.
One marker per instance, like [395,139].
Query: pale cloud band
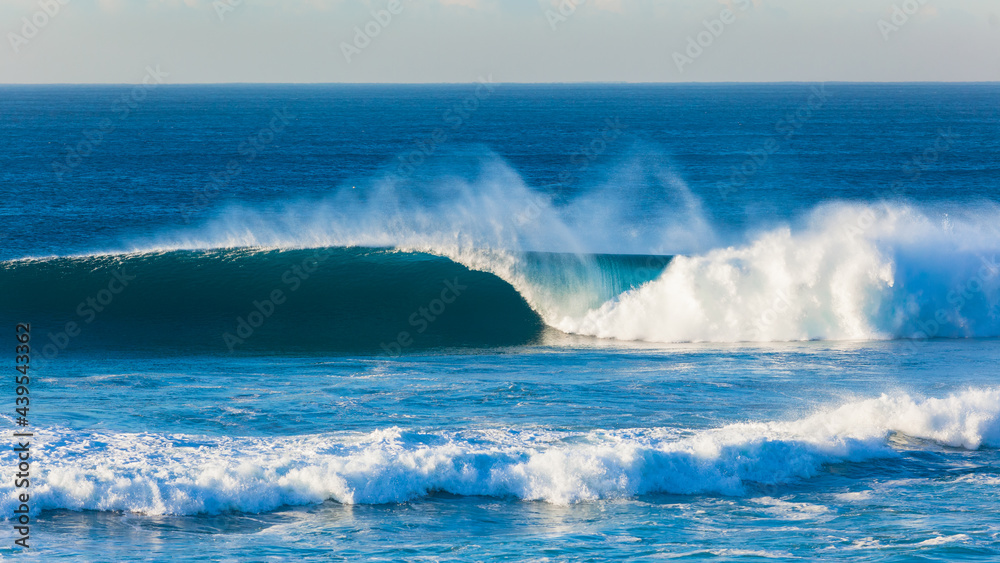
[516,40]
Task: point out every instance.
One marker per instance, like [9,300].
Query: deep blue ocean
[494,322]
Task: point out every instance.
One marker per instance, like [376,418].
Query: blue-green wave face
[365,300]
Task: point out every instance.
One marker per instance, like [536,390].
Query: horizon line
[568,83]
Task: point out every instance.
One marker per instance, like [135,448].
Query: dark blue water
[846,142]
[497,322]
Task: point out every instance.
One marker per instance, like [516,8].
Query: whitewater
[183,475]
[671,347]
[844,271]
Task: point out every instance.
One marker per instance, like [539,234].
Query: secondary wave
[174,474]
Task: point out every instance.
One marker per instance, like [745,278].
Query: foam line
[176,474]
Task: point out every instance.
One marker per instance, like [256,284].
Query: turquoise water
[538,451]
[530,345]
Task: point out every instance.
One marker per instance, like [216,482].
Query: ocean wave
[845,271]
[325,299]
[861,271]
[853,272]
[179,474]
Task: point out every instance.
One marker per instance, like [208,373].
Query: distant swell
[175,474]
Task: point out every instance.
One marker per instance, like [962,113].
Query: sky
[460,41]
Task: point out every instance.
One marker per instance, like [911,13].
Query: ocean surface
[492,322]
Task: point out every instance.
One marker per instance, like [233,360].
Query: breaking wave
[179,474]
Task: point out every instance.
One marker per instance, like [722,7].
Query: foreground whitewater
[185,475]
[697,336]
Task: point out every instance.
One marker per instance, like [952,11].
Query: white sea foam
[730,554]
[177,474]
[847,271]
[986,480]
[853,272]
[943,540]
[854,497]
[791,510]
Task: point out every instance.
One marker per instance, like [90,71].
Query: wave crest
[854,272]
[174,474]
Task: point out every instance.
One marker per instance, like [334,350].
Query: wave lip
[173,474]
